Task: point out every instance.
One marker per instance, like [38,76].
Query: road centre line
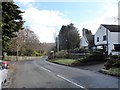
[71,82]
[42,67]
[63,78]
[45,69]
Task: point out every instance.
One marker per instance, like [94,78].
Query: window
[104,38]
[97,39]
[117,47]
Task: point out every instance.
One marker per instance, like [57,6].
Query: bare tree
[17,41]
[26,42]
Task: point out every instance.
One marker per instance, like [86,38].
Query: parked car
[5,64]
[3,75]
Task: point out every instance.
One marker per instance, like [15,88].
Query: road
[43,74]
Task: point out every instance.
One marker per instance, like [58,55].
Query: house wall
[113,39]
[100,33]
[83,42]
[115,53]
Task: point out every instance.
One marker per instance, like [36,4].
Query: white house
[87,39]
[107,38]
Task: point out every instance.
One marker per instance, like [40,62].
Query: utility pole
[58,43]
[17,47]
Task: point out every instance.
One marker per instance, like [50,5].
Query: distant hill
[47,46]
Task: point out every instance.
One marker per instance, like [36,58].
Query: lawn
[64,61]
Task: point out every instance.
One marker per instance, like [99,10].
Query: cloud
[24,1]
[63,0]
[45,22]
[44,33]
[110,15]
[44,17]
[27,3]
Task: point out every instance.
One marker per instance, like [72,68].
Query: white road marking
[62,77]
[42,67]
[71,82]
[45,69]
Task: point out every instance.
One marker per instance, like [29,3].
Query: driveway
[94,68]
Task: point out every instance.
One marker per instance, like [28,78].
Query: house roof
[112,28]
[90,39]
[87,34]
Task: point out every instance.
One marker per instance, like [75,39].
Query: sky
[46,17]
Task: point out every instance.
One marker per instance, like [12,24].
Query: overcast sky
[45,18]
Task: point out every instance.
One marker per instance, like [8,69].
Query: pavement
[43,74]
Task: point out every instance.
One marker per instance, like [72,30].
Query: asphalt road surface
[43,74]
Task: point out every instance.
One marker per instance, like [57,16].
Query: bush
[116,64]
[109,63]
[112,61]
[114,71]
[82,59]
[66,55]
[61,54]
[95,56]
[35,53]
[77,50]
[114,56]
[72,56]
[119,57]
[50,56]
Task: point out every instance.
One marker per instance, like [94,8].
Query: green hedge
[114,71]
[61,54]
[115,56]
[64,54]
[112,63]
[94,56]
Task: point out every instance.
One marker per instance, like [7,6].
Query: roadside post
[5,55]
[52,53]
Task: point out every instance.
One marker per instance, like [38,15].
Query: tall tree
[32,41]
[0,29]
[68,37]
[11,22]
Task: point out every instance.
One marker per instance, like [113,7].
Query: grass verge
[13,58]
[67,62]
[112,71]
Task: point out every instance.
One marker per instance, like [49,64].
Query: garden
[86,58]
